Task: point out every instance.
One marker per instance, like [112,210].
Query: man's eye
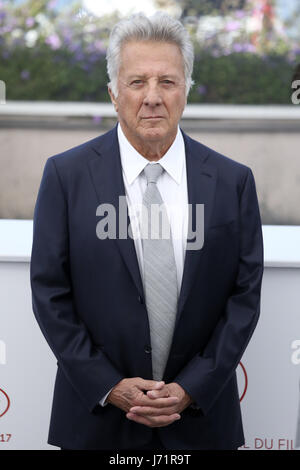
[136,82]
[168,82]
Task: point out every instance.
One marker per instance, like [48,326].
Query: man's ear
[113,99]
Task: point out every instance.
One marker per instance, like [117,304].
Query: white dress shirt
[172,185]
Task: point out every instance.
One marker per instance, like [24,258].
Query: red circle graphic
[246,381]
[8,402]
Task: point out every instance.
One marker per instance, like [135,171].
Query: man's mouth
[153,117]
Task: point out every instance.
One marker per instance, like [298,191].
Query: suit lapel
[106,173]
[201,183]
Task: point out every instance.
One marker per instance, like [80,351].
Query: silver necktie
[160,276]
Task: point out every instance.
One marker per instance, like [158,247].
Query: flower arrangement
[51,53]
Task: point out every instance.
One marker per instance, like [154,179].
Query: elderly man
[147,330]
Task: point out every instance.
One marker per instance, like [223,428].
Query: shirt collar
[133,163]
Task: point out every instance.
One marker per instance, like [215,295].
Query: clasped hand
[148,402]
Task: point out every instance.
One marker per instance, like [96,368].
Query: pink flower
[52,4]
[30,21]
[53,41]
[240,14]
[233,25]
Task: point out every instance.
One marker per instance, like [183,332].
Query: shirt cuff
[102,401]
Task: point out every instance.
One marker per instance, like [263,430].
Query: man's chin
[153,133]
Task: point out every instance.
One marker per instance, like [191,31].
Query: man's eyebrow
[169,75]
[172,76]
[136,76]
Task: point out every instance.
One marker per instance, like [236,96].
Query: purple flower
[240,14]
[79,56]
[249,48]
[52,4]
[2,15]
[53,41]
[6,28]
[25,75]
[201,89]
[30,22]
[67,36]
[97,119]
[18,42]
[73,47]
[86,67]
[237,47]
[233,25]
[94,58]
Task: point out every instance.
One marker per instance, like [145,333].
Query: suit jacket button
[147,349]
[141,300]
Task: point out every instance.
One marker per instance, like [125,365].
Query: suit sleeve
[205,376]
[87,368]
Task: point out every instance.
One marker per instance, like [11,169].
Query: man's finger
[162,393]
[150,384]
[157,403]
[148,411]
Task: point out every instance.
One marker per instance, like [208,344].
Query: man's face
[151,91]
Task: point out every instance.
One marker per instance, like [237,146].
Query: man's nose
[152,96]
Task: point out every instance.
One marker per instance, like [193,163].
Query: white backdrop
[268,378]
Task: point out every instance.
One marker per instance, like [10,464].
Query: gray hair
[158,27]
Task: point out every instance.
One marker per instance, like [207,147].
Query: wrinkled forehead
[148,57]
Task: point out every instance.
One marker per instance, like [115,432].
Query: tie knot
[153,172]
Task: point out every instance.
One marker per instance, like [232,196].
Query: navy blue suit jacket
[88,299]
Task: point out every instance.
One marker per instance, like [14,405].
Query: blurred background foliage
[245,51]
